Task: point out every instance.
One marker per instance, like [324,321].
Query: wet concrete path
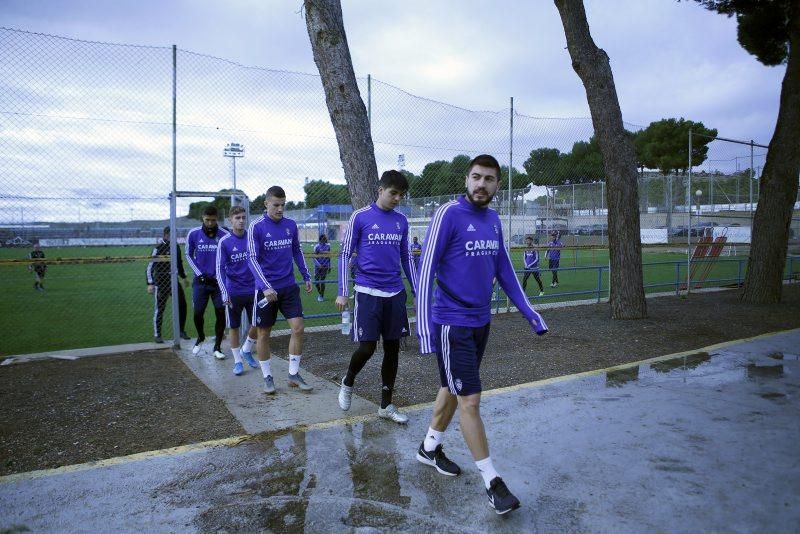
[697,442]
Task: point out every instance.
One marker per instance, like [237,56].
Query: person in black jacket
[158,285]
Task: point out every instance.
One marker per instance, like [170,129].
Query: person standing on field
[238,287]
[38,268]
[554,256]
[160,286]
[531,260]
[322,264]
[464,253]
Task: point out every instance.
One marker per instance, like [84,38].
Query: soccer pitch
[92,303]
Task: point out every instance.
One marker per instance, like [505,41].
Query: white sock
[265,370]
[247,346]
[294,364]
[237,354]
[487,470]
[432,439]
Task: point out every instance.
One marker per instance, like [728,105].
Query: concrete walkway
[696,442]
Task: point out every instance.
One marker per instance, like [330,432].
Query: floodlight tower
[233,151]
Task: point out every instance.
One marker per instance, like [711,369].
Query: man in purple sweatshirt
[201,254]
[379,236]
[272,244]
[464,252]
[238,286]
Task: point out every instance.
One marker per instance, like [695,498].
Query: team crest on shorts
[459,384]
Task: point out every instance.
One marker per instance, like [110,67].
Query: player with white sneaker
[531,260]
[322,264]
[464,252]
[237,285]
[379,235]
[272,244]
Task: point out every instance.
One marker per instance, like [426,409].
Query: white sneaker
[320,299]
[197,348]
[345,396]
[391,413]
[219,355]
[541,293]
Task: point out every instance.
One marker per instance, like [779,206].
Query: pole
[510,170]
[689,223]
[234,174]
[173,209]
[751,186]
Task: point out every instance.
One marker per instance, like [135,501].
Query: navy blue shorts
[459,351]
[288,303]
[202,292]
[553,264]
[374,317]
[239,304]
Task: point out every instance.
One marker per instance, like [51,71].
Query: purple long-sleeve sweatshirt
[272,246]
[464,252]
[233,267]
[201,250]
[380,239]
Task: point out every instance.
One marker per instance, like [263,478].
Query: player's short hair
[393,179]
[236,210]
[166,230]
[210,210]
[276,191]
[322,236]
[484,160]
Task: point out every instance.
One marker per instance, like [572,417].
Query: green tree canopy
[663,144]
[222,202]
[322,192]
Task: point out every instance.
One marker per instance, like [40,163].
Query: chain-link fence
[92,155]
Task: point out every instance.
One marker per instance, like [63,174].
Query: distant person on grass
[272,244]
[38,268]
[378,234]
[531,260]
[416,252]
[464,252]
[322,265]
[160,286]
[554,256]
[201,253]
[238,287]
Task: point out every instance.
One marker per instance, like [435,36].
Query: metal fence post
[689,222]
[173,209]
[510,176]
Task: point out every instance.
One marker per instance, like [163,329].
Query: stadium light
[233,151]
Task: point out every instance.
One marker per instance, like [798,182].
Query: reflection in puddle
[684,362]
[620,377]
[764,371]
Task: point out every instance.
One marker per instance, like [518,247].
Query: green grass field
[97,304]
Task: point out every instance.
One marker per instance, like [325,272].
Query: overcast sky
[669,59]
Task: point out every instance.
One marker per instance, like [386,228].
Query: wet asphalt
[702,441]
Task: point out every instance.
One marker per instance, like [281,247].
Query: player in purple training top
[554,256]
[464,252]
[322,264]
[531,259]
[416,252]
[379,236]
[201,254]
[272,243]
[238,286]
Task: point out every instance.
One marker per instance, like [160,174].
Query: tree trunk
[619,162]
[345,106]
[778,185]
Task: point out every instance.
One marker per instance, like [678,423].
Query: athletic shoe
[437,459]
[500,498]
[541,293]
[238,368]
[555,284]
[248,357]
[158,339]
[185,336]
[345,396]
[218,354]
[269,385]
[296,381]
[198,346]
[320,299]
[391,413]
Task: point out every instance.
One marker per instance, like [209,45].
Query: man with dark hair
[201,253]
[272,244]
[379,235]
[554,256]
[416,252]
[38,268]
[322,264]
[238,287]
[159,285]
[464,252]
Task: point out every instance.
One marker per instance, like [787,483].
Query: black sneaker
[437,459]
[158,339]
[185,336]
[500,498]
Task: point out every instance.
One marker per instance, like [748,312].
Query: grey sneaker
[296,381]
[269,385]
[345,396]
[391,413]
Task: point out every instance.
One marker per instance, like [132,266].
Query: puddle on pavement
[784,356]
[620,377]
[690,361]
[755,371]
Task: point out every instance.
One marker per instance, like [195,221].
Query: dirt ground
[64,412]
